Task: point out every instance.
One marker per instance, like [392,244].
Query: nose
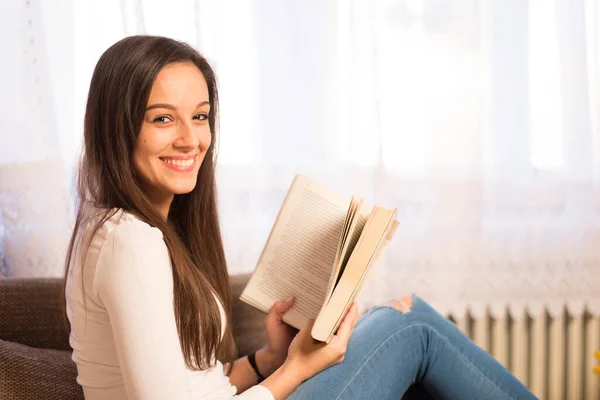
[186,137]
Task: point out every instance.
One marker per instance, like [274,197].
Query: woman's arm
[133,281]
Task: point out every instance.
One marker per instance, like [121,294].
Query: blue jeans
[390,352]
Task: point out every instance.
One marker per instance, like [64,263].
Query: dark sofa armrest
[31,313]
[247,321]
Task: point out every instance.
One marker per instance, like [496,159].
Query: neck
[164,209]
[162,203]
[160,199]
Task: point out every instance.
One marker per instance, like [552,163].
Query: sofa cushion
[30,373]
[31,313]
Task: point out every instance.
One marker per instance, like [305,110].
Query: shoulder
[128,231]
[129,248]
[123,221]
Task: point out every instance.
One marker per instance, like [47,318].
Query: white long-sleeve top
[124,338]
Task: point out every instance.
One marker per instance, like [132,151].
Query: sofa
[35,356]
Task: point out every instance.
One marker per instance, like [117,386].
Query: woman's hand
[307,357]
[279,336]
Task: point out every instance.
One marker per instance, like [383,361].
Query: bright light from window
[545,100]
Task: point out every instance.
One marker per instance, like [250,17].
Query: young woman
[147,288]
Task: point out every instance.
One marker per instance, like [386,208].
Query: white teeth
[179,163]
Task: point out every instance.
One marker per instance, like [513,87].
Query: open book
[321,251]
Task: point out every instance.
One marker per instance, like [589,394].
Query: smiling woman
[146,248]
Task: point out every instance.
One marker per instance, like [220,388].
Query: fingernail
[290,299]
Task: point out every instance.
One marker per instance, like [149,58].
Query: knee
[403,304]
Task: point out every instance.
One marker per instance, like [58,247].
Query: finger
[282,306]
[347,325]
[353,313]
[356,313]
[279,308]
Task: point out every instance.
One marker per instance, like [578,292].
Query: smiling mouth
[179,163]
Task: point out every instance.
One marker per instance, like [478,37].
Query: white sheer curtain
[477,119]
[36,102]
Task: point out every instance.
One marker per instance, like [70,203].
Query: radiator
[552,355]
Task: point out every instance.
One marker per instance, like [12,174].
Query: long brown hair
[117,99]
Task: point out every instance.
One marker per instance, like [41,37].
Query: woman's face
[175,134]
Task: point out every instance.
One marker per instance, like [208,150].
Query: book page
[379,227]
[378,253]
[349,227]
[360,220]
[355,221]
[299,255]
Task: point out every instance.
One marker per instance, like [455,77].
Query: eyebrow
[172,107]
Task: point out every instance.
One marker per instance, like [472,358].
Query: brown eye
[201,117]
[163,119]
